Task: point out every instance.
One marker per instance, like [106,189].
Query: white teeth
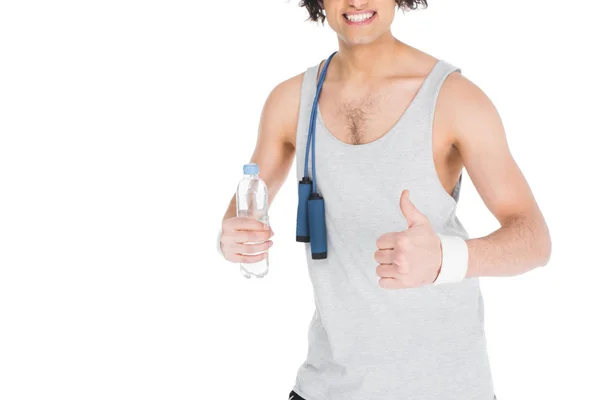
[359,17]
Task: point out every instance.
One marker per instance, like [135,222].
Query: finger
[389,283]
[245,224]
[412,214]
[271,233]
[251,248]
[386,241]
[248,258]
[250,236]
[402,242]
[404,281]
[384,256]
[387,271]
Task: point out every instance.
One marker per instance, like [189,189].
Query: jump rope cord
[311,126]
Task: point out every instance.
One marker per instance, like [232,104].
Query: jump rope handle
[302,230]
[316,223]
[310,222]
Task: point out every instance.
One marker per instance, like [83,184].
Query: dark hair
[315,7]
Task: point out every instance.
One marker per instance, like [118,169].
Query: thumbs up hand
[410,258]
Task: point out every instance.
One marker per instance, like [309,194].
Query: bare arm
[274,153]
[523,240]
[275,144]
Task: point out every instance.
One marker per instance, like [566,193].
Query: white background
[124,127]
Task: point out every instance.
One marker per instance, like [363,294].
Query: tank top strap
[310,77]
[424,109]
[427,95]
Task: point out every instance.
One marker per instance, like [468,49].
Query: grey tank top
[370,343]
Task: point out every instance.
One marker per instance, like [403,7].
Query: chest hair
[357,117]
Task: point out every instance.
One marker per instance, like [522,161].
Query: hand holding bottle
[243,237]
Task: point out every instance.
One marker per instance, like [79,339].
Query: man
[398,309]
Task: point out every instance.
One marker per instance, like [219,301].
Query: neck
[364,61]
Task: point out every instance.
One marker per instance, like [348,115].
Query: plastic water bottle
[252,200]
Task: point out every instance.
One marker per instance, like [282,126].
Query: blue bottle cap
[251,169]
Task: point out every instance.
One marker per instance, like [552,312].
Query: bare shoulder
[468,112]
[462,93]
[281,109]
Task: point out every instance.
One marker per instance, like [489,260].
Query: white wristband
[455,260]
[219,243]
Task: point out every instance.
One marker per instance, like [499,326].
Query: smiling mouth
[362,17]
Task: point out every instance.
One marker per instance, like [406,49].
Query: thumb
[411,213]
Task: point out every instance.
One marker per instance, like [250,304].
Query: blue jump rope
[310,224]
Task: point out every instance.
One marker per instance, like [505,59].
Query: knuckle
[399,258]
[396,270]
[225,232]
[225,224]
[225,248]
[401,263]
[399,269]
[401,241]
[225,245]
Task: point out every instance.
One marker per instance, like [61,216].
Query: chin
[362,40]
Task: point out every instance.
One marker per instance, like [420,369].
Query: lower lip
[365,22]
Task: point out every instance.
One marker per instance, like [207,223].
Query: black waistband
[295,396]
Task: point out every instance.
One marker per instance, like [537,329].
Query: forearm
[520,245]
